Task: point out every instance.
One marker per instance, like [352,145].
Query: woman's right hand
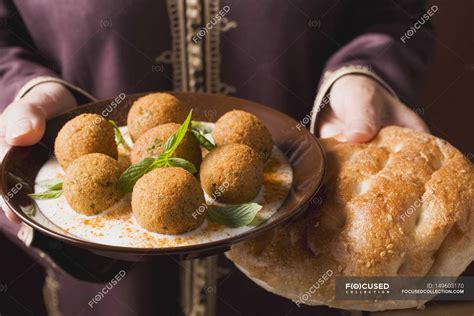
[23,122]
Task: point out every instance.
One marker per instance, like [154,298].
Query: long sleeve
[392,39]
[19,60]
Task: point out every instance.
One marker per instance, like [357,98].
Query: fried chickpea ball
[232,173]
[84,134]
[241,127]
[151,144]
[90,183]
[166,201]
[155,109]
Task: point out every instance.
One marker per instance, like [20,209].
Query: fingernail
[358,136]
[20,128]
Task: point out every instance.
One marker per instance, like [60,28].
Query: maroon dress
[274,52]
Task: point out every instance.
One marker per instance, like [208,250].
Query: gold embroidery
[165,57]
[42,79]
[25,234]
[178,54]
[228,24]
[194,48]
[198,286]
[50,294]
[212,49]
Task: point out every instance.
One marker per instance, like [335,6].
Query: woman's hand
[360,107]
[23,122]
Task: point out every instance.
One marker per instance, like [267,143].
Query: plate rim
[187,249]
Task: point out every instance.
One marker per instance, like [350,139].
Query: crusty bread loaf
[401,205]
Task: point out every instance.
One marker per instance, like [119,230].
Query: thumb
[360,117]
[361,129]
[25,123]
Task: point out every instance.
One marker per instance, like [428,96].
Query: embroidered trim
[50,294]
[213,55]
[25,234]
[194,49]
[212,49]
[198,291]
[165,57]
[228,24]
[330,77]
[38,80]
[178,53]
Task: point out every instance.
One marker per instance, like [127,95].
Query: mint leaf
[203,141]
[46,195]
[182,163]
[202,127]
[54,191]
[56,187]
[133,173]
[174,140]
[130,176]
[234,215]
[118,134]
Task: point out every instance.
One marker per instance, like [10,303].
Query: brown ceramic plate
[301,148]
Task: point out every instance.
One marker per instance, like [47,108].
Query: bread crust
[400,205]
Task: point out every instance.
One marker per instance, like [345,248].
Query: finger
[403,116]
[25,124]
[360,113]
[4,147]
[328,130]
[329,125]
[12,217]
[3,123]
[8,213]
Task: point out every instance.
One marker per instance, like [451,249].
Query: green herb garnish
[54,191]
[201,127]
[174,140]
[118,135]
[133,173]
[130,176]
[234,215]
[203,141]
[182,163]
[56,187]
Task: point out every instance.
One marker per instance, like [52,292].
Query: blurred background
[448,95]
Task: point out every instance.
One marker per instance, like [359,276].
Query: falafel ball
[151,144]
[166,201]
[155,109]
[240,127]
[90,183]
[85,134]
[232,173]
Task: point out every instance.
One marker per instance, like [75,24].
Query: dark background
[448,97]
[447,102]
